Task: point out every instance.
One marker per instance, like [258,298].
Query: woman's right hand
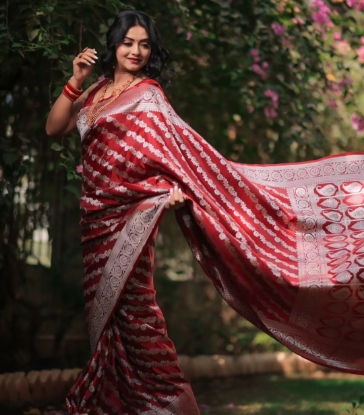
[83,65]
[62,117]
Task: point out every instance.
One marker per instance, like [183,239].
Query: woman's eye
[127,44]
[146,46]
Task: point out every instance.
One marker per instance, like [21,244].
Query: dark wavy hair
[116,34]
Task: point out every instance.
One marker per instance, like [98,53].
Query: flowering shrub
[302,51]
[356,4]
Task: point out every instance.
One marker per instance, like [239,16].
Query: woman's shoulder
[149,83]
[149,88]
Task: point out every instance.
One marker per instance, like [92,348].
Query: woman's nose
[135,49]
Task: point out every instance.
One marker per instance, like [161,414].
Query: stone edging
[51,386]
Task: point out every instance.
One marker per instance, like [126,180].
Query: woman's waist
[118,197]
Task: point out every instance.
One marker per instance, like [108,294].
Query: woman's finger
[85,60]
[88,58]
[180,196]
[176,198]
[90,54]
[176,193]
[171,197]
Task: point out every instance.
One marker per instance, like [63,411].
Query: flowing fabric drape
[283,244]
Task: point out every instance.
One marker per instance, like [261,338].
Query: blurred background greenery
[263,81]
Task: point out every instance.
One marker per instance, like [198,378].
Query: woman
[134,366]
[282,244]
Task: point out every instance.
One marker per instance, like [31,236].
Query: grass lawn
[321,394]
[315,394]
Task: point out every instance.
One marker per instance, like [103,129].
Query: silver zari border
[121,261]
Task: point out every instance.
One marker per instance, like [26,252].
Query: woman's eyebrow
[141,40]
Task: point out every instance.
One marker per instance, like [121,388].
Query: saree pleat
[134,369]
[283,245]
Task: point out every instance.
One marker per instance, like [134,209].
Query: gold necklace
[92,114]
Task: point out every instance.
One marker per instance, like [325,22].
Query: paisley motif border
[121,262]
[316,349]
[185,404]
[286,175]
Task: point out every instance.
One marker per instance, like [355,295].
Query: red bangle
[73,89]
[70,92]
[70,95]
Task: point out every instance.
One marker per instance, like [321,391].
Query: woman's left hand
[176,199]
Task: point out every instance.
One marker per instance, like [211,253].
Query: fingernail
[93,61]
[95,57]
[88,63]
[180,190]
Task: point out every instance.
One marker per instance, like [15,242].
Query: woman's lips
[134,60]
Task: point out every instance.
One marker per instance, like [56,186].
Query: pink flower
[322,19]
[188,36]
[337,36]
[79,169]
[356,4]
[297,21]
[335,88]
[254,52]
[251,109]
[278,29]
[362,40]
[204,32]
[269,93]
[321,5]
[321,13]
[257,69]
[346,81]
[270,112]
[332,103]
[360,53]
[287,43]
[357,123]
[342,47]
[265,65]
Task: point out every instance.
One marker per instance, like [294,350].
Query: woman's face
[133,53]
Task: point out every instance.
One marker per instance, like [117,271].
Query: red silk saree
[283,244]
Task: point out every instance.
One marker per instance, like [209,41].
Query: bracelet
[73,89]
[71,92]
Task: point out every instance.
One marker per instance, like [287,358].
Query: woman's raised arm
[63,115]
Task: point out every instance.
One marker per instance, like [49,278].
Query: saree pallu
[283,244]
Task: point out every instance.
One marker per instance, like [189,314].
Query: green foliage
[357,407]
